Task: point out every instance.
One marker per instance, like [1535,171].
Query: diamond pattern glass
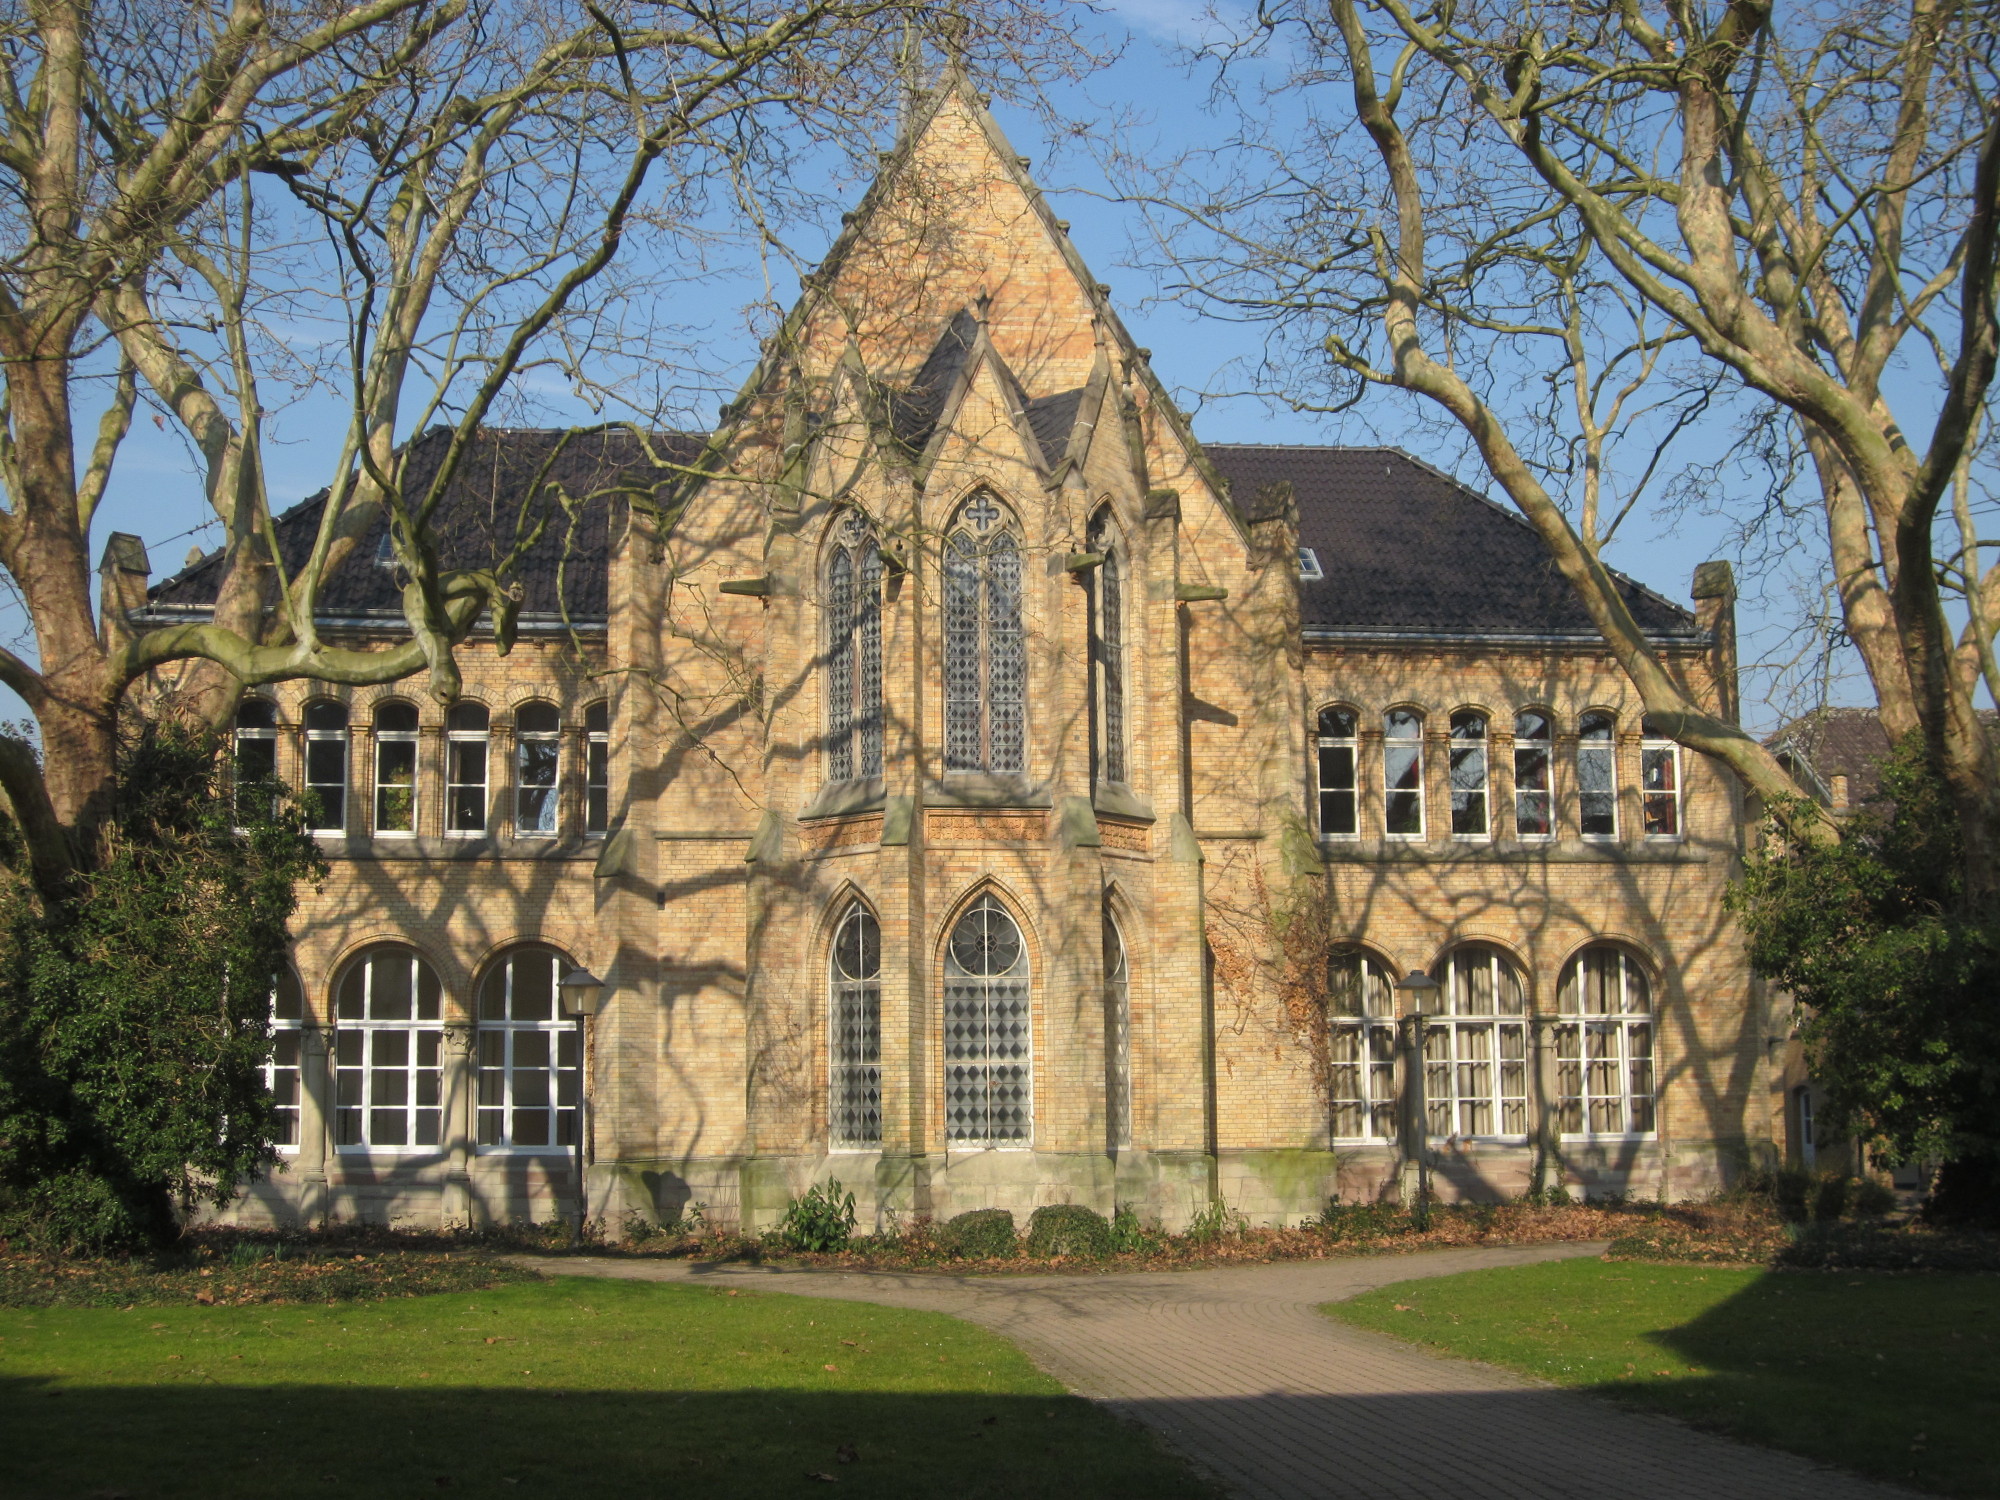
[854,1072]
[1107,652]
[988,1053]
[1007,667]
[963,747]
[1117,1038]
[840,666]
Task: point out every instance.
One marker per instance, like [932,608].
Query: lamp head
[582,993]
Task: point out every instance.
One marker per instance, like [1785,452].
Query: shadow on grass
[225,1441]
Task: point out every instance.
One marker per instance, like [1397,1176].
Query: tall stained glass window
[854,1041]
[988,1047]
[853,607]
[1107,649]
[985,659]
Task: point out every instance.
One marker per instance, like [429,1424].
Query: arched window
[1107,649]
[388,1034]
[1468,774]
[466,730]
[1659,781]
[1476,1048]
[1339,748]
[985,662]
[597,768]
[1117,1038]
[854,1032]
[1604,1045]
[1361,1015]
[256,742]
[281,1073]
[1534,806]
[537,767]
[326,764]
[853,653]
[529,1064]
[1403,773]
[395,767]
[1597,776]
[988,1050]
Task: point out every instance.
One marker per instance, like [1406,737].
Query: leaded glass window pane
[840,666]
[1107,651]
[868,686]
[964,749]
[854,1073]
[1008,663]
[985,669]
[1117,1039]
[988,1053]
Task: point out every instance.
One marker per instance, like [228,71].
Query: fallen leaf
[850,1343]
[823,1478]
[829,1367]
[1403,1307]
[846,1454]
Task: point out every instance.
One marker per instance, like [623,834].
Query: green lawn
[570,1387]
[1897,1376]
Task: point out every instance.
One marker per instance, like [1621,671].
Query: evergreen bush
[983,1234]
[821,1219]
[1068,1229]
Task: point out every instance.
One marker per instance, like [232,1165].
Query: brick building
[929,760]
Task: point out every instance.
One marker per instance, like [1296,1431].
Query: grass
[567,1387]
[1895,1376]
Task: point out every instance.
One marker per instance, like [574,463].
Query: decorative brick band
[986,827]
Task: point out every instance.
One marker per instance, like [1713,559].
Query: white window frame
[1309,568]
[1656,753]
[1461,1039]
[1594,751]
[1634,1034]
[523,788]
[1361,1022]
[552,1074]
[454,740]
[1544,745]
[385,739]
[597,769]
[1351,743]
[1463,752]
[342,740]
[283,1070]
[1392,747]
[979,995]
[356,1069]
[854,1030]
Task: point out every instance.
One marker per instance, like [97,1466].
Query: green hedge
[983,1234]
[1068,1229]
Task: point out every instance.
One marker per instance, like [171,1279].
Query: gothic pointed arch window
[985,660]
[854,1040]
[853,683]
[988,1047]
[1107,649]
[1117,1037]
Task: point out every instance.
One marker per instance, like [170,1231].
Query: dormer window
[1309,568]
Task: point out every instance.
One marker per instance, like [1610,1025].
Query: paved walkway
[1236,1369]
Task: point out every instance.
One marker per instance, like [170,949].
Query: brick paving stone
[1236,1369]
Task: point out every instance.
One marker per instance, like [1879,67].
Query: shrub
[1873,1199]
[820,1219]
[1361,1221]
[1129,1236]
[1212,1222]
[1068,1229]
[983,1234]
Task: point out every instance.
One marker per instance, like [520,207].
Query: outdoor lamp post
[582,996]
[1422,990]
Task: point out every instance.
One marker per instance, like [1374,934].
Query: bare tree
[445,197]
[1581,232]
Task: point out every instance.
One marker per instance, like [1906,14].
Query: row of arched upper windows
[986,1019]
[1468,779]
[394,790]
[985,652]
[387,1054]
[1476,1054]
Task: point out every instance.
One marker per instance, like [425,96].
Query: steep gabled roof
[1408,551]
[564,574]
[915,412]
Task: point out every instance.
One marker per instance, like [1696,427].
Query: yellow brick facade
[711,906]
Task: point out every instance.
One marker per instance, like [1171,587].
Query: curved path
[1236,1369]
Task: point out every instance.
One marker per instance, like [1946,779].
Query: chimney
[121,584]
[1714,593]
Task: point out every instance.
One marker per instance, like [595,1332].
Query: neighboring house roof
[565,574]
[1830,742]
[1406,550]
